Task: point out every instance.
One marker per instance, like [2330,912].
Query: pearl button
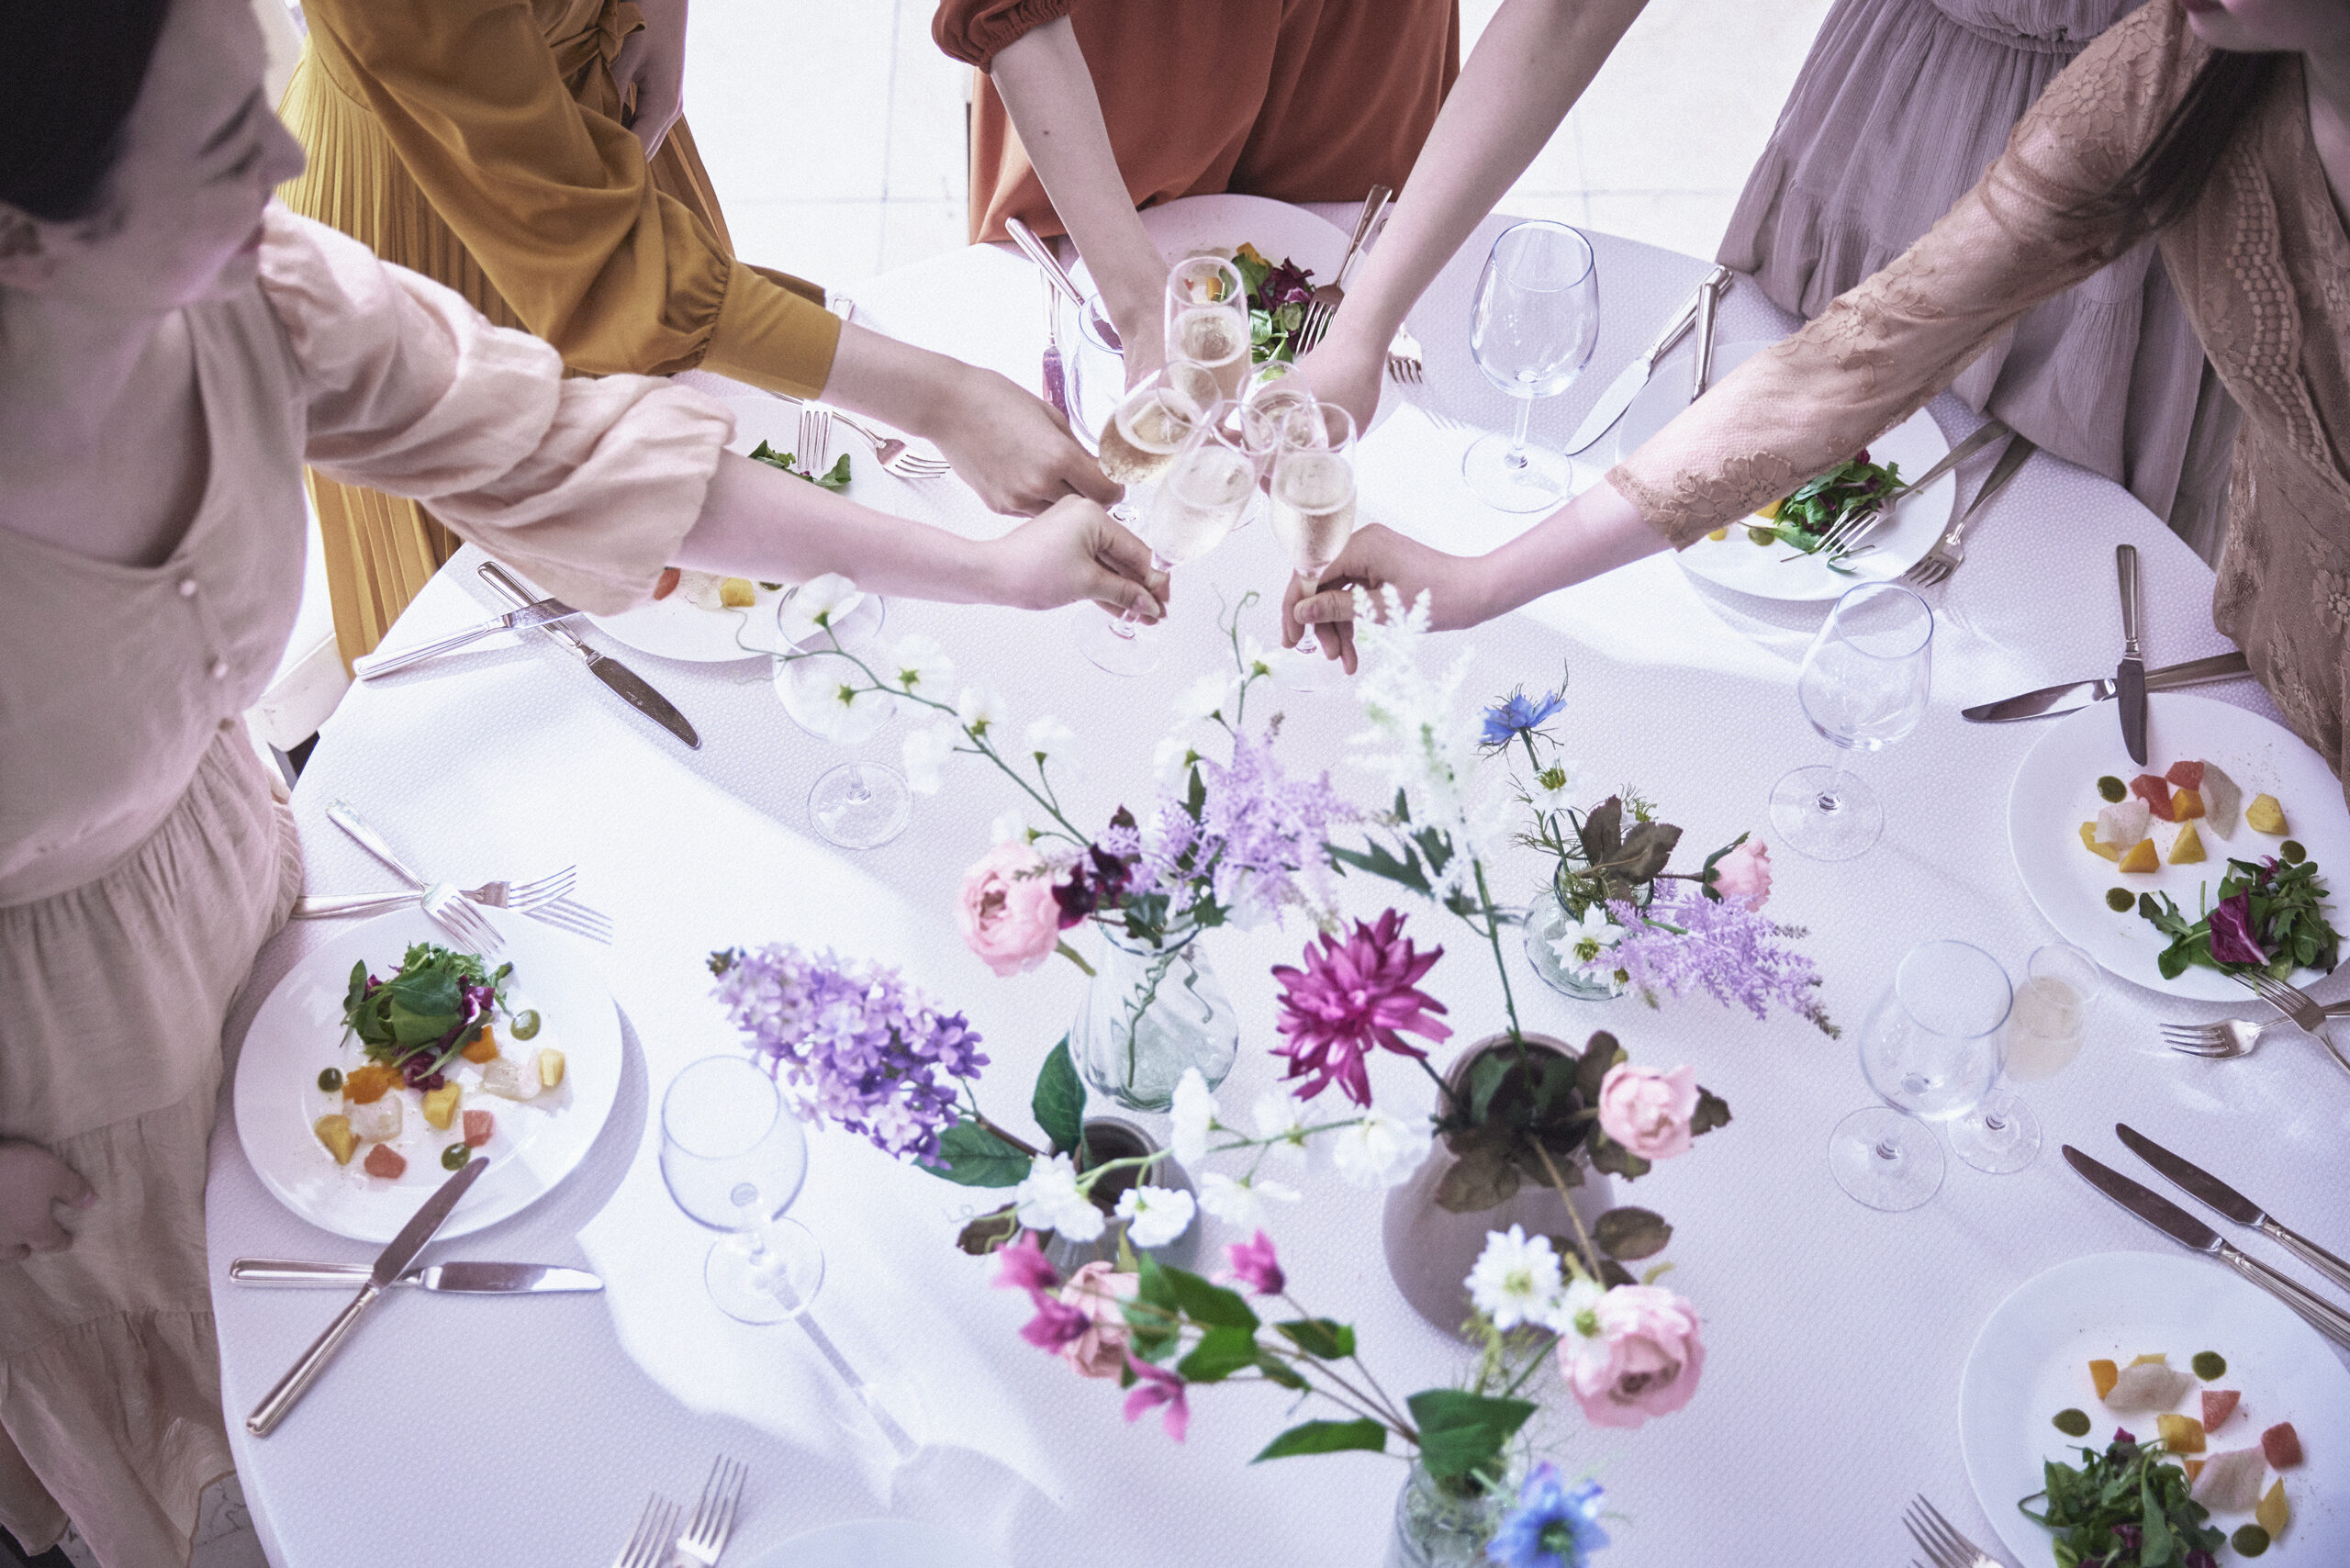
[187,588]
[220,670]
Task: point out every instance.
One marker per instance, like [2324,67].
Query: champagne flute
[1139,444]
[1864,684]
[1207,320]
[733,1157]
[2001,1135]
[1531,329]
[1314,512]
[1931,1051]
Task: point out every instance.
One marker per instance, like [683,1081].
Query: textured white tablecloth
[529,1432]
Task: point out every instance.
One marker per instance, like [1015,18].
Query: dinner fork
[1943,1546]
[1405,360]
[565,914]
[892,452]
[657,1530]
[448,908]
[714,1519]
[816,438]
[520,897]
[1950,551]
[1326,297]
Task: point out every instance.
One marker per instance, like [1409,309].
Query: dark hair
[2156,191]
[70,71]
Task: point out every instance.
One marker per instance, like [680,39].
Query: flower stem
[1590,1250]
[1023,1145]
[1493,935]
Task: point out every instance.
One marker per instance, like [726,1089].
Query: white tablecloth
[529,1432]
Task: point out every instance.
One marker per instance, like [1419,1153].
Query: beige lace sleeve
[1883,349]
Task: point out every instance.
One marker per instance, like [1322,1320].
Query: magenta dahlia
[1350,997]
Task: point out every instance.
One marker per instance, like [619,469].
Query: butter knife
[1635,375]
[2200,1183]
[2130,675]
[2074,694]
[1036,251]
[546,612]
[389,1265]
[2197,1236]
[461,1278]
[1709,300]
[624,681]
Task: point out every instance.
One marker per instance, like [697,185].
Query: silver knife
[389,1265]
[2197,1236]
[2010,463]
[2200,1183]
[2130,675]
[626,682]
[1635,375]
[1709,301]
[463,1278]
[1036,251]
[544,613]
[2073,694]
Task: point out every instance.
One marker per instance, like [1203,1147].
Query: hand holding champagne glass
[1207,320]
[1314,505]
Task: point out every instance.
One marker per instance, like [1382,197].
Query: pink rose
[1648,1112]
[1631,1354]
[1744,874]
[1008,914]
[1096,1290]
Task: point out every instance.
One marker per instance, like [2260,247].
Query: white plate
[1737,562]
[536,1144]
[674,628]
[2055,791]
[2031,1360]
[879,1543]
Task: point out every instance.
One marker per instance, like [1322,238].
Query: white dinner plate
[2031,1360]
[880,1543]
[1917,444]
[2055,791]
[536,1144]
[674,628]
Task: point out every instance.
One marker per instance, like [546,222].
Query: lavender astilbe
[1684,941]
[1256,844]
[858,1045]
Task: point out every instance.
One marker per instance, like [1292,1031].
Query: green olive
[2073,1423]
[454,1157]
[2119,899]
[2209,1364]
[2112,789]
[2250,1541]
[1762,536]
[331,1080]
[2291,853]
[524,1024]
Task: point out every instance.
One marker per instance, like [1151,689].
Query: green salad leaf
[436,1001]
[2279,907]
[2126,1507]
[834,478]
[1804,518]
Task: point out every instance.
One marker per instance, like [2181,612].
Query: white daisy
[1155,1215]
[1515,1280]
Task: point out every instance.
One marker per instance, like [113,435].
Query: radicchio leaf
[2232,941]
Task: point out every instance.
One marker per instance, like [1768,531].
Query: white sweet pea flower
[1515,1280]
[1575,1318]
[1242,1203]
[925,749]
[1155,1215]
[1048,736]
[820,604]
[831,696]
[1193,1114]
[1255,659]
[1203,698]
[918,665]
[1172,758]
[1279,1115]
[1047,1198]
[1379,1150]
[979,709]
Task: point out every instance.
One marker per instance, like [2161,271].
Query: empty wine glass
[1314,512]
[2045,1032]
[824,657]
[1930,1049]
[1139,445]
[1531,329]
[1207,320]
[1864,684]
[733,1157]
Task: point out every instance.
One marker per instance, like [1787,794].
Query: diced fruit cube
[1771,511]
[550,1069]
[2185,805]
[2180,1434]
[2153,789]
[479,1125]
[385,1161]
[482,1046]
[667,583]
[2221,801]
[2274,1513]
[2230,1482]
[2088,837]
[2194,1467]
[736,593]
[1718,533]
[441,1104]
[2141,856]
[2282,1445]
[336,1134]
[364,1085]
[2188,847]
[2122,824]
[2186,775]
[512,1080]
[2265,815]
[2104,1374]
[2155,1359]
[2219,1403]
[378,1121]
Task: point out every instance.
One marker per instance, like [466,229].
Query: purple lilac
[1685,941]
[1258,830]
[863,1048]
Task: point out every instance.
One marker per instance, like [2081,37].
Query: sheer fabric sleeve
[1887,346]
[556,203]
[976,31]
[587,485]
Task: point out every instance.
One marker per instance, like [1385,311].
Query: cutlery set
[658,1540]
[454,909]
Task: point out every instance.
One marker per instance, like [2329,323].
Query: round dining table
[531,1430]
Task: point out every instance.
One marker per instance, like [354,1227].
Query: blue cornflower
[1520,714]
[1554,1524]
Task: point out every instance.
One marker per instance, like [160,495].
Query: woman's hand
[1075,551]
[652,60]
[1342,371]
[1137,308]
[1011,447]
[1377,557]
[31,1181]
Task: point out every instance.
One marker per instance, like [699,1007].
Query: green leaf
[1608,1155]
[1712,1112]
[1645,851]
[1462,1432]
[1319,1336]
[1281,1372]
[837,478]
[1600,1053]
[1631,1234]
[977,1157]
[1211,1304]
[1603,830]
[1380,861]
[1219,1354]
[988,1232]
[1485,1080]
[1327,1437]
[1060,1100]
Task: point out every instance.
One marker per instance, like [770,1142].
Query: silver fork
[563,914]
[1950,551]
[1405,360]
[2294,1003]
[521,896]
[815,436]
[657,1530]
[714,1518]
[893,454]
[1943,1546]
[1326,298]
[448,908]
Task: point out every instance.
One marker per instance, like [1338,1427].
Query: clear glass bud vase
[1441,1527]
[1151,1010]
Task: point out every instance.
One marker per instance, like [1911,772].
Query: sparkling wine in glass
[1154,423]
[2045,1028]
[1864,684]
[1531,329]
[1932,1049]
[1207,320]
[1314,512]
[733,1157]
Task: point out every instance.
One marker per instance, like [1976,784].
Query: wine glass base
[1118,647]
[1886,1160]
[1823,827]
[1536,480]
[771,1281]
[860,805]
[2003,1149]
[809,688]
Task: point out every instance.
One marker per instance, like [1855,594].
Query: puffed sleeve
[1894,340]
[587,485]
[555,202]
[976,31]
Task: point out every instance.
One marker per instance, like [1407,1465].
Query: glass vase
[1150,1012]
[1438,1526]
[1115,1138]
[1546,921]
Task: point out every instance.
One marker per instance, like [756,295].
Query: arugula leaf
[2287,918]
[834,478]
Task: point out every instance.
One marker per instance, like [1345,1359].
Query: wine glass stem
[1885,1150]
[1520,425]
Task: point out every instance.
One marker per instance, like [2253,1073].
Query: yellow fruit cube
[2274,1512]
[441,1104]
[2105,1374]
[336,1134]
[2181,1434]
[550,1069]
[1718,533]
[2265,815]
[1771,511]
[2141,856]
[2188,847]
[2159,1359]
[736,593]
[2186,803]
[2088,837]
